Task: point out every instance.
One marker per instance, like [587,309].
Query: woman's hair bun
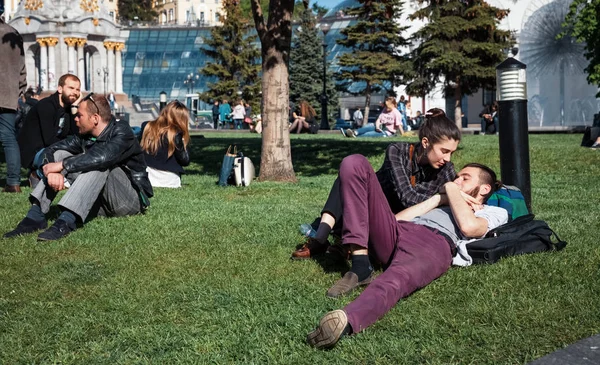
[434,113]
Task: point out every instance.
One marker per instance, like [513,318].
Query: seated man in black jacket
[103,168]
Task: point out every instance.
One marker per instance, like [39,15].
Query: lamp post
[190,81]
[513,125]
[324,122]
[162,99]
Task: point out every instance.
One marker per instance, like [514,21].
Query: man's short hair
[29,93]
[63,79]
[98,103]
[486,176]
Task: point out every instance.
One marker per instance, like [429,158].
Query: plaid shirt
[394,176]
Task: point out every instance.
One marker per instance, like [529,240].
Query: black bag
[590,136]
[520,236]
[313,128]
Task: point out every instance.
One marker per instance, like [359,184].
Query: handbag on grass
[227,165]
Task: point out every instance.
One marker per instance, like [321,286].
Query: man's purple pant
[413,255]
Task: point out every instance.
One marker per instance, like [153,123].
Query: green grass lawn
[205,277]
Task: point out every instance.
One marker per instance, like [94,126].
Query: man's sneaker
[350,133]
[343,132]
[311,248]
[331,328]
[26,226]
[57,231]
[347,284]
[596,145]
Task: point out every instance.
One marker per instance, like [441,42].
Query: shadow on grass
[310,156]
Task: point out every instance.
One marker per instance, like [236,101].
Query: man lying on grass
[415,246]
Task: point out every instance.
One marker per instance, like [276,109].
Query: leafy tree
[235,59]
[275,34]
[320,11]
[142,9]
[374,41]
[306,66]
[460,47]
[582,22]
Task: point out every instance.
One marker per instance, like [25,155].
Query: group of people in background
[238,117]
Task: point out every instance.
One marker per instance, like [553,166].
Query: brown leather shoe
[11,189]
[309,249]
[347,284]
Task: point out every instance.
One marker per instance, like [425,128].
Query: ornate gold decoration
[51,41]
[27,20]
[119,46]
[33,4]
[71,42]
[95,22]
[110,45]
[41,42]
[89,6]
[81,42]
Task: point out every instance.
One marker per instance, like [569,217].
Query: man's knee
[354,164]
[61,155]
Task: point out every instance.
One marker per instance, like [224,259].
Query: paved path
[584,352]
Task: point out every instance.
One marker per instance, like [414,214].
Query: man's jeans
[11,147]
[107,192]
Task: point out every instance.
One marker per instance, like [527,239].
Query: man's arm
[470,225]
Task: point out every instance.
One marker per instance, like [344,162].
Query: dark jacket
[23,111]
[41,127]
[215,110]
[116,146]
[162,161]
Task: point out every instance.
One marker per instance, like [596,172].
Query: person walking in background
[215,114]
[402,110]
[238,114]
[13,77]
[357,118]
[31,99]
[248,118]
[164,142]
[225,113]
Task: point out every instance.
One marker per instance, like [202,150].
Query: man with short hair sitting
[103,168]
[415,247]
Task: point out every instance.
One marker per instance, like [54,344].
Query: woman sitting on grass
[164,142]
[306,118]
[388,123]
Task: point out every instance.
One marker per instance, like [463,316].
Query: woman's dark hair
[437,127]
[486,176]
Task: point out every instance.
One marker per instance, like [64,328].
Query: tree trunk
[276,156]
[367,103]
[458,106]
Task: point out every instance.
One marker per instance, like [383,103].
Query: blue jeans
[12,153]
[369,131]
[237,123]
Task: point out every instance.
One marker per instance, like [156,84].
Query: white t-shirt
[443,220]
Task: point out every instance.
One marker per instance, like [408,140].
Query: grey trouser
[108,192]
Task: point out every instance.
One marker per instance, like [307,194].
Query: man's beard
[66,101]
[474,193]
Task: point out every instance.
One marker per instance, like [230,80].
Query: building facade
[70,36]
[198,13]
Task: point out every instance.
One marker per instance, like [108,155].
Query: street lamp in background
[104,73]
[324,122]
[162,99]
[190,81]
[513,124]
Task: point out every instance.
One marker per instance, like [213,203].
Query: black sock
[35,213]
[69,218]
[361,266]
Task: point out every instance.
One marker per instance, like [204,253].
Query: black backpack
[522,235]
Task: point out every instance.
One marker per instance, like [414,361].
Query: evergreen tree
[374,41]
[306,67]
[583,23]
[460,47]
[235,59]
[142,9]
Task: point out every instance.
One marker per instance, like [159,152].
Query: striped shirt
[397,169]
